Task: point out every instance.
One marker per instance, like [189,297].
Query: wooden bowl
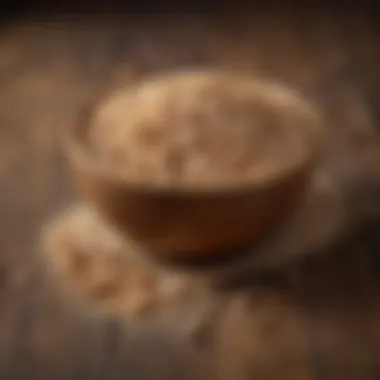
[180,223]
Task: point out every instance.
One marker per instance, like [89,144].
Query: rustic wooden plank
[50,69]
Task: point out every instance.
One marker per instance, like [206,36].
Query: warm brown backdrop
[50,67]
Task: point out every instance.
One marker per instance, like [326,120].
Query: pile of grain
[95,265]
[200,129]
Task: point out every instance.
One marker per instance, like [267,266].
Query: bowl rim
[79,153]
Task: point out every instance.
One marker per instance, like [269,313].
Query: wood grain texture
[49,68]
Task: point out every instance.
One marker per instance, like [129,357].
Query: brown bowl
[192,223]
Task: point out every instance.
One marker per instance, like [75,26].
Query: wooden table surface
[49,68]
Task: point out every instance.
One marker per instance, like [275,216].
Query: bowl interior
[81,152]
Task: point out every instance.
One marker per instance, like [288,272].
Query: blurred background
[55,58]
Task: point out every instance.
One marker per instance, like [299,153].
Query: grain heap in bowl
[200,130]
